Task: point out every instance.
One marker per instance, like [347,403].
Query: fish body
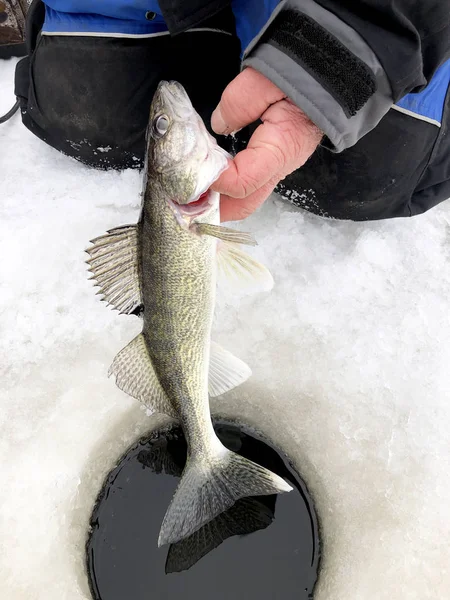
[178,290]
[168,265]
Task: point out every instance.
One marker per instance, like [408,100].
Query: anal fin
[136,376]
[226,371]
[115,267]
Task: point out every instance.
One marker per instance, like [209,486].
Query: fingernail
[217,122]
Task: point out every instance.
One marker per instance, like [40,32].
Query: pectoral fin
[241,270]
[224,233]
[114,265]
[136,376]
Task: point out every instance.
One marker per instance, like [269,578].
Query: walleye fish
[166,266]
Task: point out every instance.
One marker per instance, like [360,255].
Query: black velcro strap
[347,78]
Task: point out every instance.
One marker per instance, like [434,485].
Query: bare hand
[283,143]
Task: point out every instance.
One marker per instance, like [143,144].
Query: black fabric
[22,81]
[434,185]
[182,15]
[399,169]
[410,38]
[89,97]
[33,25]
[11,50]
[347,78]
[223,20]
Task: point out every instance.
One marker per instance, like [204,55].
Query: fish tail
[208,488]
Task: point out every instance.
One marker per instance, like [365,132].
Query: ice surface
[350,355]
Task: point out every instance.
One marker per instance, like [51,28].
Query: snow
[350,355]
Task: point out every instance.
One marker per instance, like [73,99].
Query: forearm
[345,78]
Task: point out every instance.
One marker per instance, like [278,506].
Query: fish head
[181,152]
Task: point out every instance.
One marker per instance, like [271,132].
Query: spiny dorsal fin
[136,376]
[114,265]
[226,371]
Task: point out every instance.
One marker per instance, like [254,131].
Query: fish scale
[178,308]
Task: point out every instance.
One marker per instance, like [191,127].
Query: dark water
[264,548]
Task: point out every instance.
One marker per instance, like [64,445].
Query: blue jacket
[343,69]
[128,17]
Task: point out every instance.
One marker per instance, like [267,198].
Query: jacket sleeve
[346,62]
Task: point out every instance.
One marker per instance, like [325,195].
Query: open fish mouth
[202,202]
[193,209]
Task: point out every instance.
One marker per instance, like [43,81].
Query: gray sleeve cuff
[325,67]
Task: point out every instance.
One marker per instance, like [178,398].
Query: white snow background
[351,373]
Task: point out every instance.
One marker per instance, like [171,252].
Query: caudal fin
[208,488]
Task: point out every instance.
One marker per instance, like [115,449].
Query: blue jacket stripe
[429,103]
[86,23]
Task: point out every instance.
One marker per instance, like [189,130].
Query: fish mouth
[184,213]
[173,95]
[197,206]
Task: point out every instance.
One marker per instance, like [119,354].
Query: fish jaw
[203,210]
[215,163]
[172,94]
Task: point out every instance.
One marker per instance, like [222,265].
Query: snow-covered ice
[350,355]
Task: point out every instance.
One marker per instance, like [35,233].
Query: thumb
[243,101]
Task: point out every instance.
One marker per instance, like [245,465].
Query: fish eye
[161,125]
